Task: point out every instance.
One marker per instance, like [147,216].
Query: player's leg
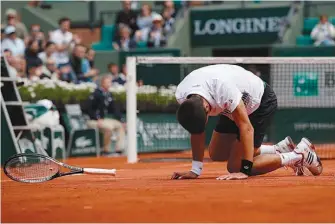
[223,139]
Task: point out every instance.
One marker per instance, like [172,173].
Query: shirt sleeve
[229,96]
[180,96]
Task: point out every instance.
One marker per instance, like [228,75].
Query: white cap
[156,17]
[11,12]
[46,103]
[10,29]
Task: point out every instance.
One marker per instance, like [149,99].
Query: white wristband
[197,167]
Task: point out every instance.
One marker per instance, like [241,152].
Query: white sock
[289,158]
[267,149]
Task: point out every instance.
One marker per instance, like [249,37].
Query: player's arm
[242,121]
[198,149]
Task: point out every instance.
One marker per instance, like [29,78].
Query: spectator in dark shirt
[90,54]
[36,34]
[31,53]
[127,16]
[124,41]
[168,21]
[101,102]
[77,60]
[35,70]
[169,6]
[117,77]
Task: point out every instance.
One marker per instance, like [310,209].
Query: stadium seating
[309,24]
[107,34]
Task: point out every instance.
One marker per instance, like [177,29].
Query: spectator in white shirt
[323,33]
[12,20]
[168,21]
[48,53]
[64,40]
[157,36]
[12,42]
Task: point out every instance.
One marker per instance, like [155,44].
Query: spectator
[36,34]
[2,32]
[101,102]
[50,69]
[32,52]
[49,53]
[156,36]
[323,33]
[124,42]
[12,42]
[76,61]
[90,55]
[117,77]
[12,20]
[64,40]
[169,7]
[127,17]
[35,71]
[144,20]
[168,21]
[12,63]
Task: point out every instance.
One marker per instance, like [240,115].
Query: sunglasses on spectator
[35,30]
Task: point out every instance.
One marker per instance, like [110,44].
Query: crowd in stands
[148,27]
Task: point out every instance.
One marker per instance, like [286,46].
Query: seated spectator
[90,55]
[124,42]
[35,71]
[12,63]
[144,20]
[50,69]
[12,42]
[101,102]
[76,61]
[2,32]
[49,53]
[169,7]
[168,21]
[323,33]
[12,20]
[156,36]
[64,41]
[32,52]
[126,16]
[117,77]
[36,34]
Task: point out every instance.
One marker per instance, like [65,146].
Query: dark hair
[62,20]
[192,116]
[48,44]
[111,64]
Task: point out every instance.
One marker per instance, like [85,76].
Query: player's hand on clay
[233,176]
[184,175]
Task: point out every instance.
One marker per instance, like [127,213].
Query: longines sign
[236,27]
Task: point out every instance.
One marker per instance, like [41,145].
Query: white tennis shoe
[286,145]
[309,160]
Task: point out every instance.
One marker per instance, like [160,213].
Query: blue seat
[106,39]
[304,40]
[309,24]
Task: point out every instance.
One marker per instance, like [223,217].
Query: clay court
[143,192]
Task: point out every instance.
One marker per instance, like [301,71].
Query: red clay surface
[143,192]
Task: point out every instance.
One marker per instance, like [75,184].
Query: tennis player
[245,105]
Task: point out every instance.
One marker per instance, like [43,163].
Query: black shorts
[260,119]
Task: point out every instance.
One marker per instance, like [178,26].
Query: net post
[131,110]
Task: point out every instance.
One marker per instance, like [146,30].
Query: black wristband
[246,167]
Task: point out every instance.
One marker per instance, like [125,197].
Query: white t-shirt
[16,46]
[58,37]
[223,86]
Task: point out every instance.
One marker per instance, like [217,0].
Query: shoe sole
[312,147]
